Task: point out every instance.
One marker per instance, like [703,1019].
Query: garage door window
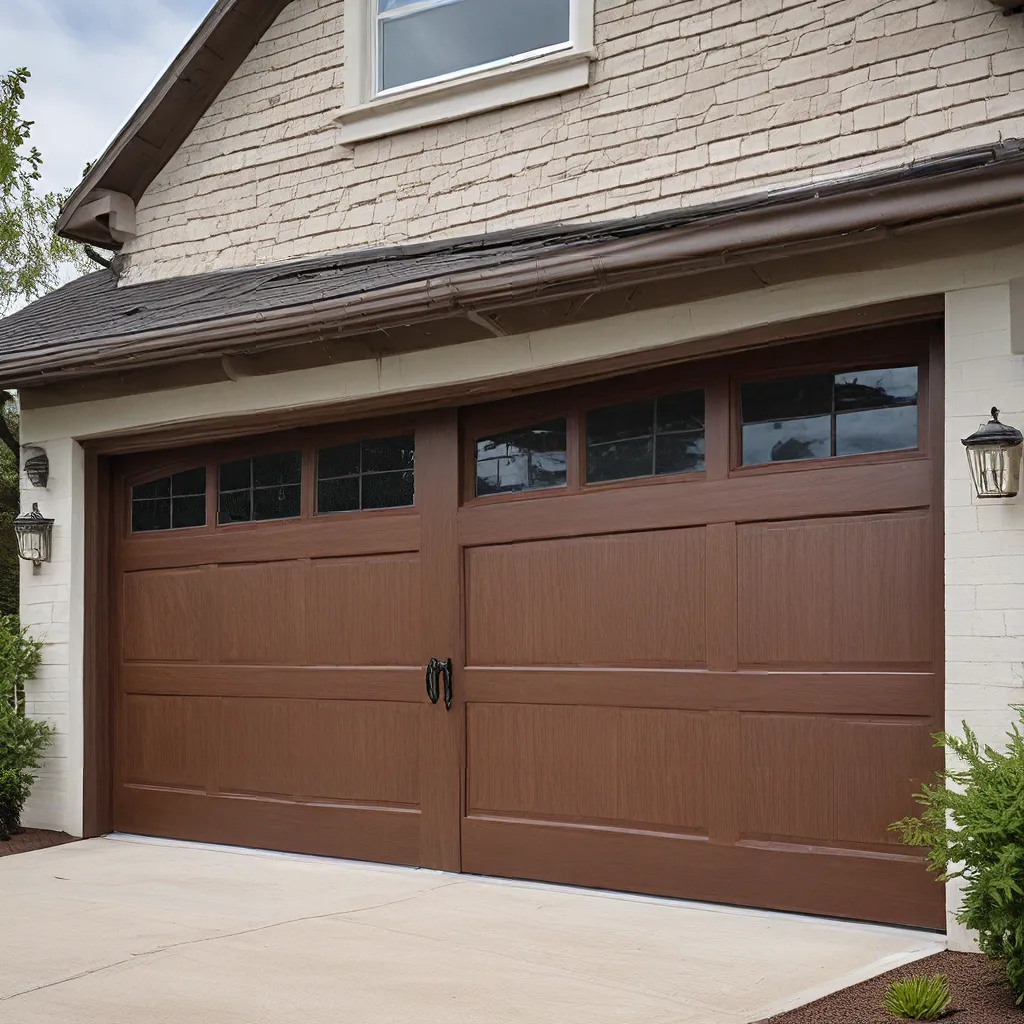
[650,438]
[816,417]
[366,475]
[261,488]
[524,459]
[175,502]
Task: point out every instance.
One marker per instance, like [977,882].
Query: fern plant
[23,740]
[918,998]
[972,823]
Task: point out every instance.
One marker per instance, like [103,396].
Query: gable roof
[93,326]
[165,118]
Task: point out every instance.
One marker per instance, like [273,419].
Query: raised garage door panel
[344,751]
[834,780]
[169,742]
[845,592]
[259,613]
[365,611]
[631,599]
[163,615]
[629,767]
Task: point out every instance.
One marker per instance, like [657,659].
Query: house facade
[526,440]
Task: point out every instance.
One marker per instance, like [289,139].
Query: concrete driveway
[125,931]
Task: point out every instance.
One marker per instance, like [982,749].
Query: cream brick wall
[984,539]
[52,608]
[690,101]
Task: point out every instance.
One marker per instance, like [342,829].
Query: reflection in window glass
[441,37]
[647,438]
[787,440]
[526,459]
[175,502]
[852,413]
[879,430]
[366,475]
[876,389]
[261,488]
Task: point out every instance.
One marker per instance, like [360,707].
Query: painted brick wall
[984,539]
[51,606]
[690,100]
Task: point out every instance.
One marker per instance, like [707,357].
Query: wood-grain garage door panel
[835,593]
[630,599]
[786,778]
[365,611]
[165,742]
[350,751]
[832,779]
[883,577]
[630,767]
[163,615]
[260,613]
[878,766]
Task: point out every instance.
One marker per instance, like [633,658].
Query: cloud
[92,62]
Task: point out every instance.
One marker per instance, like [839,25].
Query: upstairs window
[422,41]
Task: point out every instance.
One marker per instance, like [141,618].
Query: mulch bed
[34,839]
[979,995]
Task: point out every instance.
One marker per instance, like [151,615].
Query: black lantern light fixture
[994,455]
[35,536]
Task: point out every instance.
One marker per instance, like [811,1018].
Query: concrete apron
[124,931]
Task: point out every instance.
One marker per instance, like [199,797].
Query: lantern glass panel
[34,541]
[995,470]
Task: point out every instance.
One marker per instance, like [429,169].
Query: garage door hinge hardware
[434,680]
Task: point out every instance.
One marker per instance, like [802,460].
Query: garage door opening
[694,618]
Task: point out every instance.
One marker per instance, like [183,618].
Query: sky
[92,62]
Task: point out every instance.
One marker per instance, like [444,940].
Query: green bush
[14,790]
[918,998]
[973,826]
[23,741]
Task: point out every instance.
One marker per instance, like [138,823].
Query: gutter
[972,183]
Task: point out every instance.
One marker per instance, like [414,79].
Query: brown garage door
[693,617]
[272,633]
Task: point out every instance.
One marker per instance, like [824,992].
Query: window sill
[473,94]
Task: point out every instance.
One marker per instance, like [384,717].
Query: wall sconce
[994,455]
[37,467]
[35,536]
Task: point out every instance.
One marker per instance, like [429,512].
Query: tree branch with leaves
[33,261]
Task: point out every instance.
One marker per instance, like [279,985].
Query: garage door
[692,616]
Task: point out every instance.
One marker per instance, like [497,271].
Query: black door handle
[446,674]
[434,680]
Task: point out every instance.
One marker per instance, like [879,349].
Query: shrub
[973,825]
[14,790]
[918,998]
[22,740]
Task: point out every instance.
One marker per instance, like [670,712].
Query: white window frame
[370,113]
